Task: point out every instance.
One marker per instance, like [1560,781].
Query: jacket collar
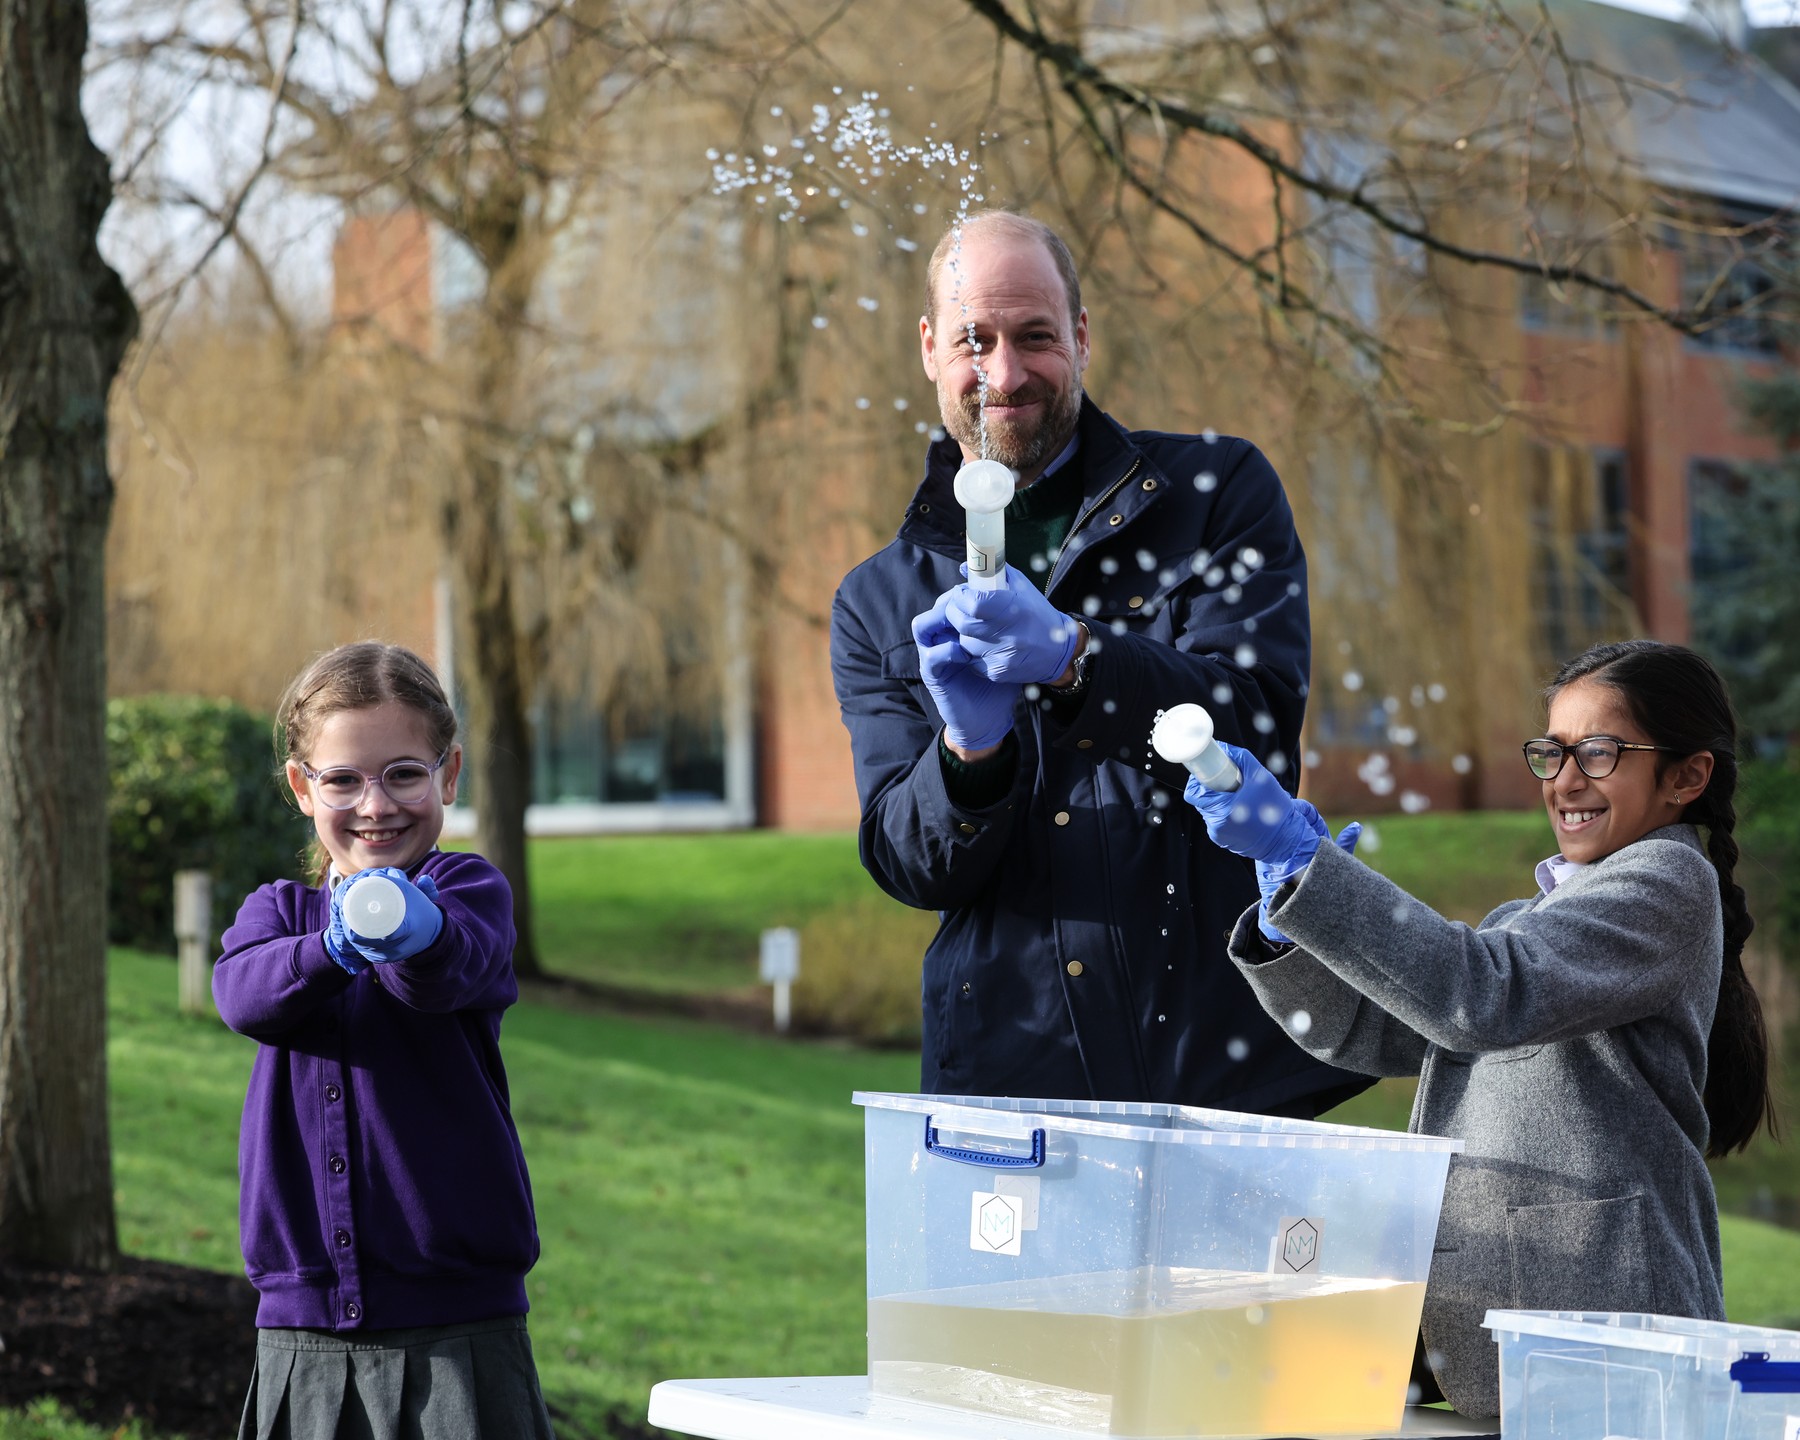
[1554,872]
[935,521]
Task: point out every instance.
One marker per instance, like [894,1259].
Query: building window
[581,759]
[1563,307]
[1567,307]
[639,764]
[1728,276]
[1581,539]
[1717,492]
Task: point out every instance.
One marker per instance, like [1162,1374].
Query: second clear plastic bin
[1146,1270]
[1567,1375]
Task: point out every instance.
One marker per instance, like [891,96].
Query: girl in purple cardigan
[385,1209]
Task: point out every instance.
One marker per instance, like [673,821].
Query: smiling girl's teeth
[1577,817]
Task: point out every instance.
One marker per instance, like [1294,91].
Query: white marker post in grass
[780,967]
[984,488]
[1184,736]
[193,941]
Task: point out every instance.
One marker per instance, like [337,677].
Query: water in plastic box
[1154,1351]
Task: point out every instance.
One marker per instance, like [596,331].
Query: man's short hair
[1015,225]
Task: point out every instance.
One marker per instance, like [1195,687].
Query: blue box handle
[987,1158]
[1757,1374]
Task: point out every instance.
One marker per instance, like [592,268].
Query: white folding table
[840,1407]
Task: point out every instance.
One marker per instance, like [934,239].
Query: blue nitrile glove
[1271,875]
[1014,634]
[337,936]
[978,714]
[1259,819]
[417,930]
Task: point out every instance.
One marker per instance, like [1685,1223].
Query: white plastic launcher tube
[374,907]
[1184,736]
[984,488]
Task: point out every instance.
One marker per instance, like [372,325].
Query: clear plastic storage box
[1573,1376]
[1146,1270]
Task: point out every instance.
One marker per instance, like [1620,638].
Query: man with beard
[1001,736]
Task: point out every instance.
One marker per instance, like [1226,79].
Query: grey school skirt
[439,1382]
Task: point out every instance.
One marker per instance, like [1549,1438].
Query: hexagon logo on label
[996,1223]
[1299,1246]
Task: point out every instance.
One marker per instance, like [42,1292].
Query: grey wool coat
[1563,1040]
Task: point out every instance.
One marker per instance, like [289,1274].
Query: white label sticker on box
[1790,1429]
[1295,1248]
[996,1223]
[1026,1188]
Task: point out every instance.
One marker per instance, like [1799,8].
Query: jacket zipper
[1081,520]
[1124,969]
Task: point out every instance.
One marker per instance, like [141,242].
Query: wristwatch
[1084,662]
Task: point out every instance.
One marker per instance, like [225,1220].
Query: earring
[1676,797]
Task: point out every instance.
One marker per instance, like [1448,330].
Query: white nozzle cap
[985,485]
[374,907]
[1182,733]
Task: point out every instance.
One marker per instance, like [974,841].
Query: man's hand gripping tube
[1184,736]
[984,488]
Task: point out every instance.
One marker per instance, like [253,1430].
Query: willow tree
[481,134]
[65,321]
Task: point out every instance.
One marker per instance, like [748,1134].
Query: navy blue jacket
[1081,952]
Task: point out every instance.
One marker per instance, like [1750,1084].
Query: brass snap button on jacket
[1074,967]
[1062,817]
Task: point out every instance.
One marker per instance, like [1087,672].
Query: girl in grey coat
[1590,1045]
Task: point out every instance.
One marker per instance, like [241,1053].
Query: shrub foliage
[859,971]
[193,788]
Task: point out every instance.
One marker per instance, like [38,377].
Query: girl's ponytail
[1738,1100]
[1682,705]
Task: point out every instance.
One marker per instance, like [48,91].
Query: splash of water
[839,158]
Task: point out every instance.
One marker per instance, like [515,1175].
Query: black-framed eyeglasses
[343,787]
[1597,756]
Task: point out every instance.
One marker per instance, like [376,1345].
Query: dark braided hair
[1680,702]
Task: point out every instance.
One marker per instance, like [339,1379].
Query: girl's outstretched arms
[469,966]
[275,971]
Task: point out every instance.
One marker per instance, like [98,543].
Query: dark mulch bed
[166,1344]
[162,1343]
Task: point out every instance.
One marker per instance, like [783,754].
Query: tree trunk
[493,681]
[65,320]
[495,675]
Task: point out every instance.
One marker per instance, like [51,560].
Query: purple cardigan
[382,1182]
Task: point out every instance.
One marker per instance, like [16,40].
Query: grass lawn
[683,912]
[1462,865]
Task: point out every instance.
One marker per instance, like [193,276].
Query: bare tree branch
[1080,77]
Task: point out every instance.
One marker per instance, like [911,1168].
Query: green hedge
[193,787]
[859,970]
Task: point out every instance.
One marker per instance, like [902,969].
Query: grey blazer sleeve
[1325,1016]
[1614,943]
